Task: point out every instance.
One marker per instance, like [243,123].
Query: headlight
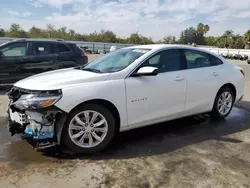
[38,100]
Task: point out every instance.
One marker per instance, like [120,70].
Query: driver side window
[166,61]
[15,50]
[154,60]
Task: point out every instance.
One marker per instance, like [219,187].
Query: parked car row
[235,56]
[23,58]
[98,51]
[89,51]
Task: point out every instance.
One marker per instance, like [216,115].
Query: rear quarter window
[62,48]
[215,60]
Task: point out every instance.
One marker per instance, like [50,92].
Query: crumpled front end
[33,113]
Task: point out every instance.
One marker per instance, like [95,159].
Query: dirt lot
[191,152]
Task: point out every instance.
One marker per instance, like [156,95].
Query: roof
[40,40]
[172,46]
[159,46]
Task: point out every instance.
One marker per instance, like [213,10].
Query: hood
[59,79]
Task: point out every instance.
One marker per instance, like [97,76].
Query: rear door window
[197,59]
[40,48]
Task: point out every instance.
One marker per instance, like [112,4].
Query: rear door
[203,80]
[10,62]
[42,57]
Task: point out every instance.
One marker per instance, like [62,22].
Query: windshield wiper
[91,70]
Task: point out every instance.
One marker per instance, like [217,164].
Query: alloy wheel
[225,103]
[88,129]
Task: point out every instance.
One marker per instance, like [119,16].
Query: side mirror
[146,71]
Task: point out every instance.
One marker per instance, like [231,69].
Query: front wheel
[89,129]
[223,103]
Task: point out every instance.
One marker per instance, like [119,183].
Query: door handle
[178,79]
[215,74]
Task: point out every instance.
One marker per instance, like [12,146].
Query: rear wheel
[89,129]
[223,103]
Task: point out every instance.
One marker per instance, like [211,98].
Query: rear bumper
[82,60]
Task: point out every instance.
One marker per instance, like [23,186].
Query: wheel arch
[105,103]
[231,86]
[214,113]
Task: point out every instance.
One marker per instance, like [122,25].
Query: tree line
[196,35]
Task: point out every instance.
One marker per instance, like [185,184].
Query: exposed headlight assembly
[38,100]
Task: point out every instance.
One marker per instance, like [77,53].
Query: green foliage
[136,38]
[188,36]
[194,35]
[35,32]
[247,36]
[2,32]
[227,40]
[16,31]
[211,41]
[69,34]
[168,40]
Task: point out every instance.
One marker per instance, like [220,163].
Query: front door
[10,62]
[152,99]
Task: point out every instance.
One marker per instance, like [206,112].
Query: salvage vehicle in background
[83,108]
[112,49]
[86,49]
[243,57]
[23,58]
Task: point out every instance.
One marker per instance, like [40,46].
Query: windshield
[115,61]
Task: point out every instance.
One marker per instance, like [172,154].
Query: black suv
[25,57]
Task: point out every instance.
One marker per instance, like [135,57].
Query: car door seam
[126,100]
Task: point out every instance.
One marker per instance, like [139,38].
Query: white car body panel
[202,88]
[60,79]
[145,100]
[148,96]
[112,91]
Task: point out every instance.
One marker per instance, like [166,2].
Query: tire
[83,145]
[217,113]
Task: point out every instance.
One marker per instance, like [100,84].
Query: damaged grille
[15,93]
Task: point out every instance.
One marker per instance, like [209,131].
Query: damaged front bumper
[42,124]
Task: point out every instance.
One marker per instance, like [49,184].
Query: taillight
[243,72]
[83,53]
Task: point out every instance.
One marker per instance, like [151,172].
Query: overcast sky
[151,18]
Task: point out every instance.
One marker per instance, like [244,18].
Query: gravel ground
[191,152]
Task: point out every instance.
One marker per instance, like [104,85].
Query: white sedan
[83,108]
